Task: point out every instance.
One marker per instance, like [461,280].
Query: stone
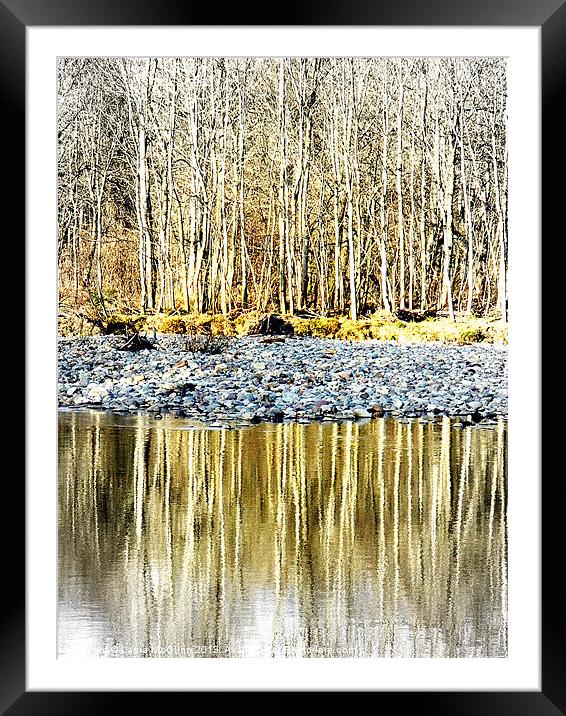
[360,412]
[305,379]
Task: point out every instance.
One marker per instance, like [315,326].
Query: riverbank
[417,328]
[254,379]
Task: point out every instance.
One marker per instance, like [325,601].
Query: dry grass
[379,326]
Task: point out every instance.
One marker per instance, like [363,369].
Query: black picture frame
[15,17]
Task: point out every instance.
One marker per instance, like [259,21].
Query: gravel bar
[260,379]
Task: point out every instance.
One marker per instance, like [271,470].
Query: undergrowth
[379,326]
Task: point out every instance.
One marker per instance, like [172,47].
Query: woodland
[315,186]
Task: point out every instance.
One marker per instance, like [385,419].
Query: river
[369,539]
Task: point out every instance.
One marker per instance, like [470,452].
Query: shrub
[462,331]
[385,331]
[245,322]
[496,332]
[171,324]
[467,335]
[123,323]
[222,326]
[386,327]
[212,345]
[198,324]
[351,330]
[324,327]
[208,324]
[301,326]
[380,326]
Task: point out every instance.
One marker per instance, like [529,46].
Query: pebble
[303,379]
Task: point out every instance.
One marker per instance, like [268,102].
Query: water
[383,539]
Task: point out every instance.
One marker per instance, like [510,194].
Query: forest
[332,186]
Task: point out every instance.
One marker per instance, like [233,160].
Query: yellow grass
[379,326]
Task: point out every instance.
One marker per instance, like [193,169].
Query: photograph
[283,367]
[282,376]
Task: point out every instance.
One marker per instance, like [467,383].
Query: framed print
[323,534]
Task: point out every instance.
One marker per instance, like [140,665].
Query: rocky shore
[259,379]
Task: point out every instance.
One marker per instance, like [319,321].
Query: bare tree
[334,184]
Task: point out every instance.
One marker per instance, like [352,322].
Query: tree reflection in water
[374,540]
